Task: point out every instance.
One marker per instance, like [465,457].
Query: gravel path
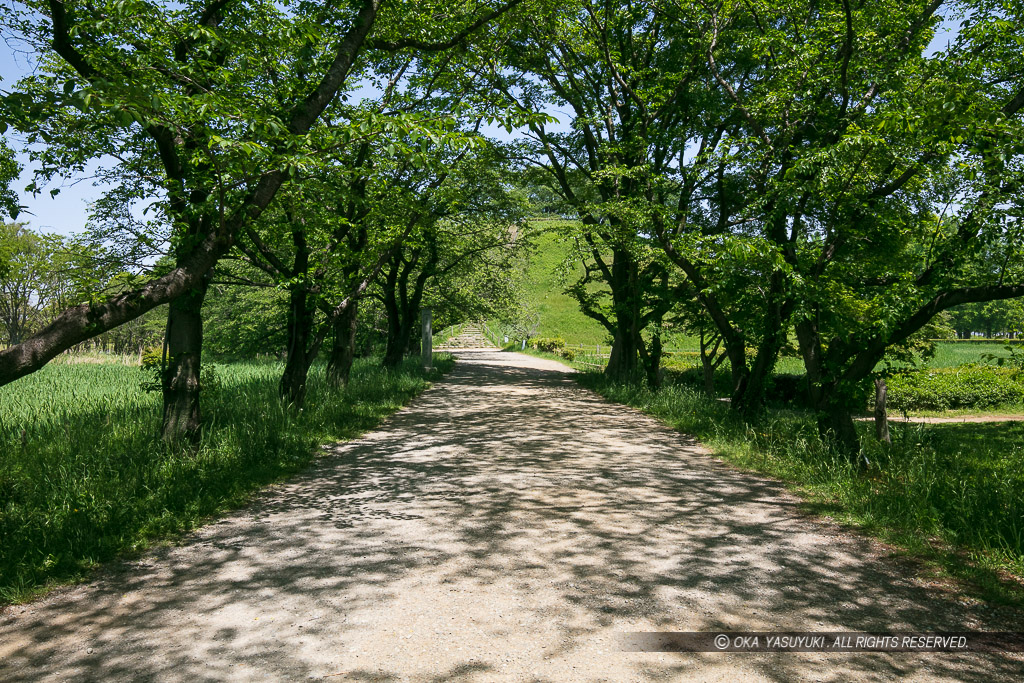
[505,526]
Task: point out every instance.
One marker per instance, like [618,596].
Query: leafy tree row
[1001,318]
[767,171]
[830,171]
[237,126]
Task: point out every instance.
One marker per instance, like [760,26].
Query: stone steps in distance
[471,337]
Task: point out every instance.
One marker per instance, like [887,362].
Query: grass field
[954,354]
[84,476]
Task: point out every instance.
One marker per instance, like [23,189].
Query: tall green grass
[951,354]
[84,475]
[951,493]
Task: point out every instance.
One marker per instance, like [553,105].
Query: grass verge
[948,495]
[84,476]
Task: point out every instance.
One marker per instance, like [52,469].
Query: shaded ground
[505,526]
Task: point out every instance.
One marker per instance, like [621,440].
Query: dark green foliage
[241,322]
[788,389]
[84,475]
[964,387]
[9,171]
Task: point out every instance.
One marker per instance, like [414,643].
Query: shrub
[967,386]
[151,357]
[688,355]
[549,344]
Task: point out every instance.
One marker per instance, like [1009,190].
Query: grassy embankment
[84,476]
[558,314]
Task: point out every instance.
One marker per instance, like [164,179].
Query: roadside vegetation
[946,495]
[949,494]
[85,476]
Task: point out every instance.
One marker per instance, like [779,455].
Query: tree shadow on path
[505,526]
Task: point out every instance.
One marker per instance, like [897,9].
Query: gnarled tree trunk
[835,420]
[624,358]
[300,330]
[339,363]
[182,384]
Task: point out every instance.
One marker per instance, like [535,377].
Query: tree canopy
[772,173]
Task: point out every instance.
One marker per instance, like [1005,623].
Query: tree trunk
[398,339]
[881,415]
[738,369]
[624,358]
[403,306]
[709,376]
[300,329]
[710,359]
[651,360]
[182,419]
[835,420]
[836,425]
[401,339]
[339,363]
[300,324]
[395,344]
[751,400]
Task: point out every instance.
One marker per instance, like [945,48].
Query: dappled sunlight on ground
[507,525]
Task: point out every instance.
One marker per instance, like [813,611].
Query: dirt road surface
[505,526]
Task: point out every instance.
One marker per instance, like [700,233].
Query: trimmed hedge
[549,344]
[967,386]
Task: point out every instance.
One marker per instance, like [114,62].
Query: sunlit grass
[84,475]
[954,354]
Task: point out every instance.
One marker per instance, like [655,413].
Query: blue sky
[66,213]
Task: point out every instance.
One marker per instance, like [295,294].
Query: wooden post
[426,339]
[881,416]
